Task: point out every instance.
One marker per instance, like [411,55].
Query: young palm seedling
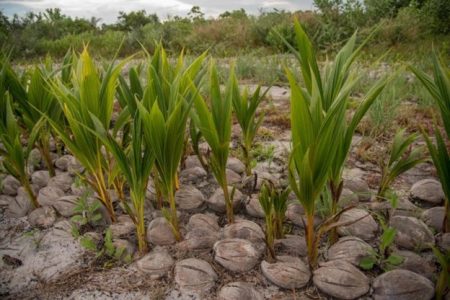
[245,110]
[164,110]
[439,88]
[215,126]
[336,83]
[320,136]
[14,156]
[135,162]
[32,96]
[401,159]
[274,204]
[92,94]
[383,258]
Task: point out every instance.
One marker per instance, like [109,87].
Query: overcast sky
[108,10]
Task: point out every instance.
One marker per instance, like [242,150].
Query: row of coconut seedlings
[75,104]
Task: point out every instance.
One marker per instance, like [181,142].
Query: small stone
[203,232]
[404,208]
[5,200]
[10,185]
[65,205]
[288,272]
[62,181]
[123,228]
[160,233]
[217,201]
[262,177]
[62,162]
[48,195]
[350,249]
[238,291]
[412,233]
[236,255]
[364,225]
[415,263]
[233,177]
[359,187]
[236,165]
[203,221]
[244,229]
[155,264]
[195,275]
[193,175]
[253,207]
[428,191]
[40,178]
[434,217]
[192,161]
[74,167]
[341,279]
[199,238]
[43,217]
[402,285]
[19,207]
[348,198]
[189,198]
[292,245]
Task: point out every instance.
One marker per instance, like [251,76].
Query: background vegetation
[408,27]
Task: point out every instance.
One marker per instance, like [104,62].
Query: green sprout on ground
[383,258]
[401,159]
[245,107]
[274,205]
[14,155]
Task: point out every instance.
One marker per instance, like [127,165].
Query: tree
[135,20]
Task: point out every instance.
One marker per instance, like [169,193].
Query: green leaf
[395,260]
[367,262]
[79,220]
[88,243]
[387,238]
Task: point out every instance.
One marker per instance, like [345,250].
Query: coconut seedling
[32,96]
[135,163]
[401,159]
[245,107]
[215,126]
[164,110]
[439,88]
[317,135]
[91,95]
[337,82]
[127,94]
[274,205]
[14,155]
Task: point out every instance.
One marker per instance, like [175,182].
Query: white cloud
[108,10]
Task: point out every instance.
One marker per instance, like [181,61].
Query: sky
[108,10]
